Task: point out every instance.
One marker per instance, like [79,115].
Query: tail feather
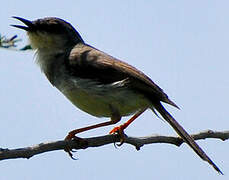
[185,136]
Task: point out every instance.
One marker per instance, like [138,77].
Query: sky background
[182,45]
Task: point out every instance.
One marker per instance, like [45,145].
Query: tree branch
[11,43]
[138,142]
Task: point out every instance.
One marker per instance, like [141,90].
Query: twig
[11,43]
[138,142]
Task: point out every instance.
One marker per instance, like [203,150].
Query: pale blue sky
[182,45]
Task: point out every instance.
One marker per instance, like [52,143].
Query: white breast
[99,100]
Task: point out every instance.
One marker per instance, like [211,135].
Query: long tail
[185,136]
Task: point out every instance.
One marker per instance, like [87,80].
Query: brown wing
[88,62]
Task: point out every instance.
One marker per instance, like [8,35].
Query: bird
[97,83]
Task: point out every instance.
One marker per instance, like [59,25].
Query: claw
[70,151]
[120,131]
[70,154]
[119,144]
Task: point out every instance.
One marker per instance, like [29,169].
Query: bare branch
[138,142]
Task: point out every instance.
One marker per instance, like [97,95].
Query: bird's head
[50,33]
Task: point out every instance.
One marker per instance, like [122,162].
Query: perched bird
[96,82]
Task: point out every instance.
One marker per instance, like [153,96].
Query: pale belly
[102,101]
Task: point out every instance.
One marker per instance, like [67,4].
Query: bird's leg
[71,135]
[120,129]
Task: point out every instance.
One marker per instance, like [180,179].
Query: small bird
[96,82]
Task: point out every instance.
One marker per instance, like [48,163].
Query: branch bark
[138,142]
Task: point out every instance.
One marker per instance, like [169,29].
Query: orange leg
[114,119]
[120,129]
[72,134]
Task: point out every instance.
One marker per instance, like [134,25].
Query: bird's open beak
[29,27]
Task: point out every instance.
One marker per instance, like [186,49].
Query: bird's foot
[120,131]
[71,137]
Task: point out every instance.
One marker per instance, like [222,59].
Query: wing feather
[88,62]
